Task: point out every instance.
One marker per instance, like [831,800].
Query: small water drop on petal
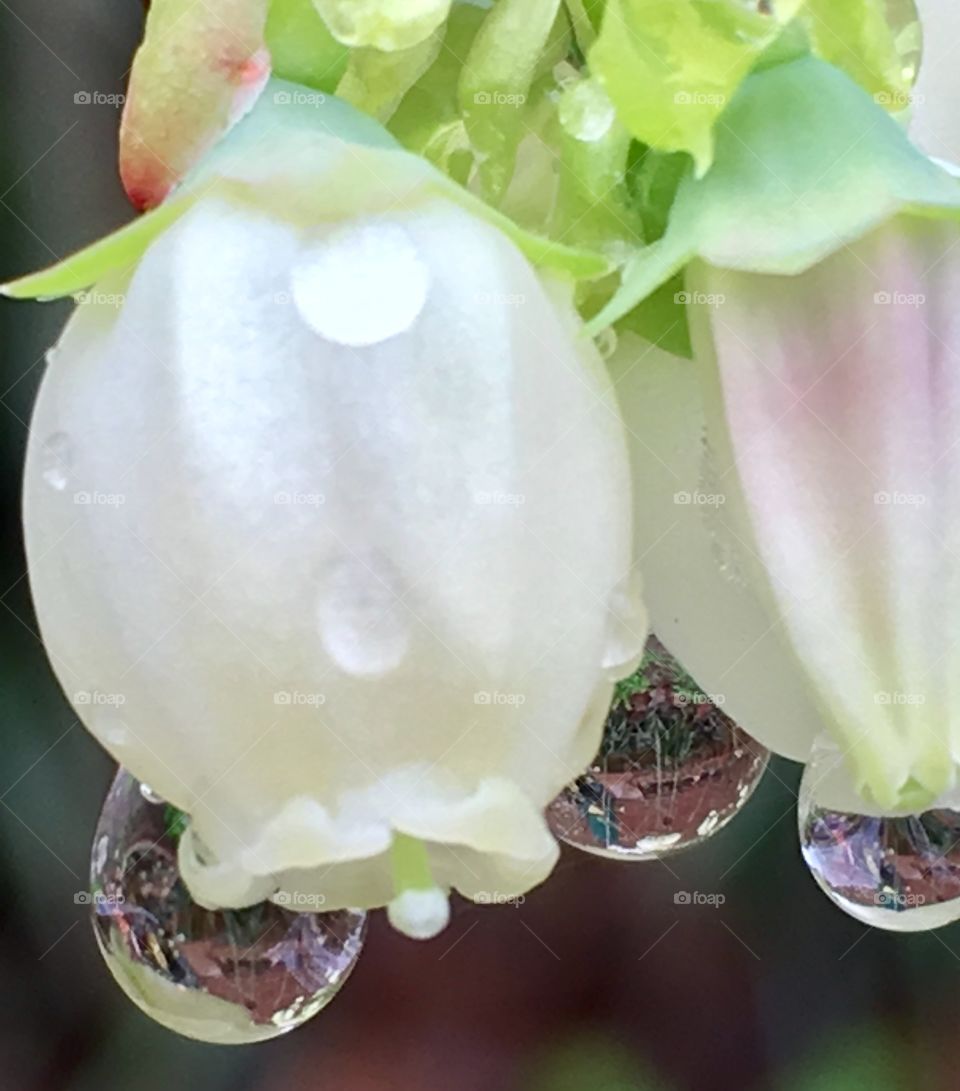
[586,112]
[361,284]
[364,626]
[56,461]
[672,771]
[229,977]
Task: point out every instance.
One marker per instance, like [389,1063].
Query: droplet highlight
[361,284]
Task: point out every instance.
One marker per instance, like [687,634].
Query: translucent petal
[843,410]
[705,593]
[339,588]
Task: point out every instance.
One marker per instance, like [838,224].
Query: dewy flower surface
[326,519]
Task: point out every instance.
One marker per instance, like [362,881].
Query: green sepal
[806,161]
[308,156]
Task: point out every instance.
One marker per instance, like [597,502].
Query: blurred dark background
[598,982]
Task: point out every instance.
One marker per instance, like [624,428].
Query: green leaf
[672,66]
[302,48]
[806,162]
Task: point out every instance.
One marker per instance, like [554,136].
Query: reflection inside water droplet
[901,874]
[230,977]
[361,284]
[672,770]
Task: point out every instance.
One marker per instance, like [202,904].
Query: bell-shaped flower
[799,478]
[328,521]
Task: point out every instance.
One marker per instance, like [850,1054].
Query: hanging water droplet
[56,460]
[149,794]
[586,112]
[364,626]
[626,628]
[228,977]
[672,770]
[901,874]
[361,284]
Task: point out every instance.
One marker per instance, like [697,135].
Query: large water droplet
[56,460]
[901,874]
[364,626]
[228,977]
[361,284]
[626,629]
[586,112]
[672,770]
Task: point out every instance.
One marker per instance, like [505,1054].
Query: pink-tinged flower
[804,468]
